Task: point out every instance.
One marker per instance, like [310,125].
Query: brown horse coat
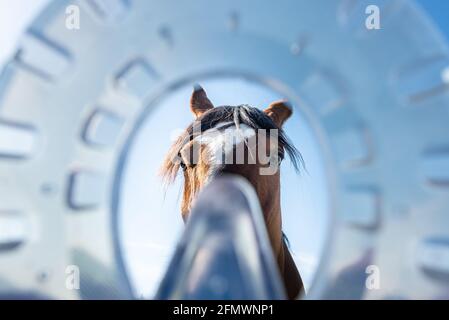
[199,165]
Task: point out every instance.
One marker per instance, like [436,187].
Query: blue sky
[438,10]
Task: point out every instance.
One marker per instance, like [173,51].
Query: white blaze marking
[221,143]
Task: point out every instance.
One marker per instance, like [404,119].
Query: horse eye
[181,163]
[279,160]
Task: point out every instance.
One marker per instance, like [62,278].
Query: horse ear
[199,102]
[279,112]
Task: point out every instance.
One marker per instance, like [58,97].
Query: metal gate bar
[224,252]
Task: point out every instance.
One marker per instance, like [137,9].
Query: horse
[245,141]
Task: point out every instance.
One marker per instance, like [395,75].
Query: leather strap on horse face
[224,252]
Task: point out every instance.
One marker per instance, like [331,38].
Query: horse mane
[235,115]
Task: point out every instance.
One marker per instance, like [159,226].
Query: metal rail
[224,252]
